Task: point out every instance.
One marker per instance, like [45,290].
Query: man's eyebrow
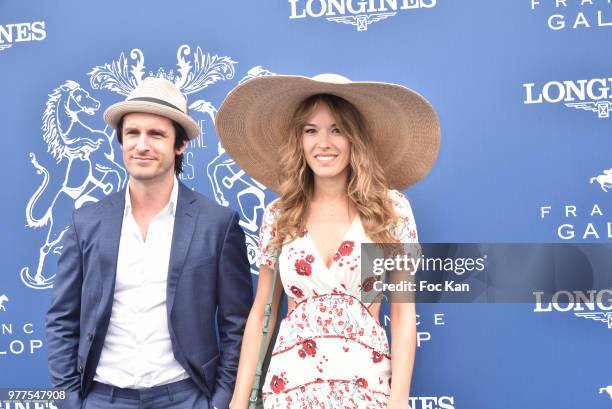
[158,130]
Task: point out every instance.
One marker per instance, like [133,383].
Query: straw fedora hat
[254,120]
[155,96]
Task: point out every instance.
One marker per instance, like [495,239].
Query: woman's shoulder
[272,211]
[404,228]
[400,202]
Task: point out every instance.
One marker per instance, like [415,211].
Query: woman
[331,149]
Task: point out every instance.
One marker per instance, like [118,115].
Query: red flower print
[368,283]
[337,256]
[277,384]
[302,353]
[303,268]
[310,258]
[346,247]
[362,383]
[297,292]
[309,346]
[376,357]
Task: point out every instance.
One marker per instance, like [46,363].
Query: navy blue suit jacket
[208,290]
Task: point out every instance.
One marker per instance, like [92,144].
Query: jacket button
[80,368]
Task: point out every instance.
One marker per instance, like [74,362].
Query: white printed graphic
[247,193]
[583,222]
[3,299]
[255,72]
[604,180]
[574,15]
[85,161]
[592,95]
[356,13]
[597,316]
[607,389]
[362,21]
[591,304]
[83,157]
[21,33]
[601,107]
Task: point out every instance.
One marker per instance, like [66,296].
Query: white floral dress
[330,351]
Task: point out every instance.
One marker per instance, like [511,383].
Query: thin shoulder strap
[264,337]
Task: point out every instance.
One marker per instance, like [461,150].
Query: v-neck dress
[330,351]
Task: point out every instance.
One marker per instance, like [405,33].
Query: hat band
[156,101]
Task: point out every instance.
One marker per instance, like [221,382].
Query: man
[150,277]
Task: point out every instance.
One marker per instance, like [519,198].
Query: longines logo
[593,305]
[431,402]
[574,14]
[583,223]
[594,95]
[21,32]
[359,13]
[607,389]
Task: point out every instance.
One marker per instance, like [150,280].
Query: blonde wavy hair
[366,189]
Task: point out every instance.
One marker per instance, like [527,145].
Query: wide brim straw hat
[155,96]
[254,121]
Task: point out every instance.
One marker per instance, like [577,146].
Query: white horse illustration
[230,182]
[607,389]
[88,159]
[3,299]
[604,180]
[226,179]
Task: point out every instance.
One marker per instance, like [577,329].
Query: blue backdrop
[523,91]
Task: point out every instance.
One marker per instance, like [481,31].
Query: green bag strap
[262,348]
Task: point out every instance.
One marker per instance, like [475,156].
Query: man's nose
[142,143]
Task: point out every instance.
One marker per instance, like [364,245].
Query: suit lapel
[110,235]
[184,225]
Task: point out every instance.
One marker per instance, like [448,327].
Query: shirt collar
[171,206]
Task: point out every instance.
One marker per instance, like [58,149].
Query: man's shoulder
[93,210]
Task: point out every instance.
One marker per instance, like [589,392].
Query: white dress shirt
[137,351]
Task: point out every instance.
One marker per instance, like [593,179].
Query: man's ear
[179,151]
